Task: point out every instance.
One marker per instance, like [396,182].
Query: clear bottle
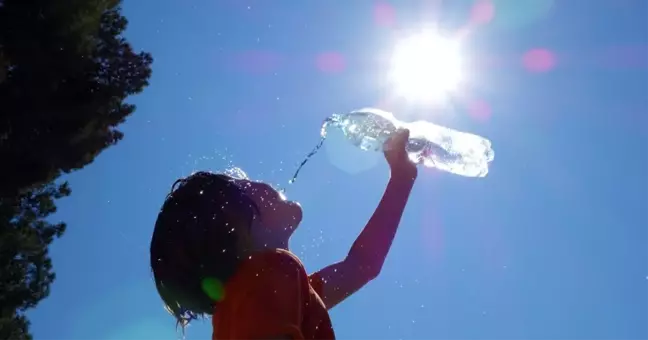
[432,145]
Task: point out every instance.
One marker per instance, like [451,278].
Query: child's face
[277,217]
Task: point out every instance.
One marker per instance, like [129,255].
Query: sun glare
[426,67]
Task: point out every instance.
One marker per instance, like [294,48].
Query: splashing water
[239,174]
[236,173]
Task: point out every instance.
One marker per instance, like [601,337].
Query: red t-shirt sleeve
[273,304]
[317,283]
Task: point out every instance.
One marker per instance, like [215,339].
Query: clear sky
[551,244]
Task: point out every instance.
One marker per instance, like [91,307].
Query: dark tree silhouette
[65,73]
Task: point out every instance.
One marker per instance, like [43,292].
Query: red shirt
[272,297]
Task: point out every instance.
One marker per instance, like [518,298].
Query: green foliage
[64,88]
[65,73]
[25,267]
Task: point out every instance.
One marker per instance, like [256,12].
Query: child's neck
[265,241]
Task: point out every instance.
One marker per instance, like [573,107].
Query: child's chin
[289,228]
[294,211]
[292,227]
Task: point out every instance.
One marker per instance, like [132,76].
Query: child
[220,248]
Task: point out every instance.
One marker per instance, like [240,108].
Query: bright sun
[426,67]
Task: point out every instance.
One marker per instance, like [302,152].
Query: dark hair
[194,244]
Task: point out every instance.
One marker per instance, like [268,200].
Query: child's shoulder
[274,260]
[271,272]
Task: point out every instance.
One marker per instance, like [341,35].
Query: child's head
[207,225]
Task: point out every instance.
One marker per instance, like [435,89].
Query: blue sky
[552,244]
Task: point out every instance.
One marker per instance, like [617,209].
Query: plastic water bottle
[432,145]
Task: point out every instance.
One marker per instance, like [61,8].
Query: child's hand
[397,157]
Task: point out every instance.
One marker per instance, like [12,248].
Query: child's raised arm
[367,254]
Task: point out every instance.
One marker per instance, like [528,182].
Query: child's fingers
[401,138]
[397,141]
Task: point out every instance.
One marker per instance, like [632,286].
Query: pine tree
[66,71]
